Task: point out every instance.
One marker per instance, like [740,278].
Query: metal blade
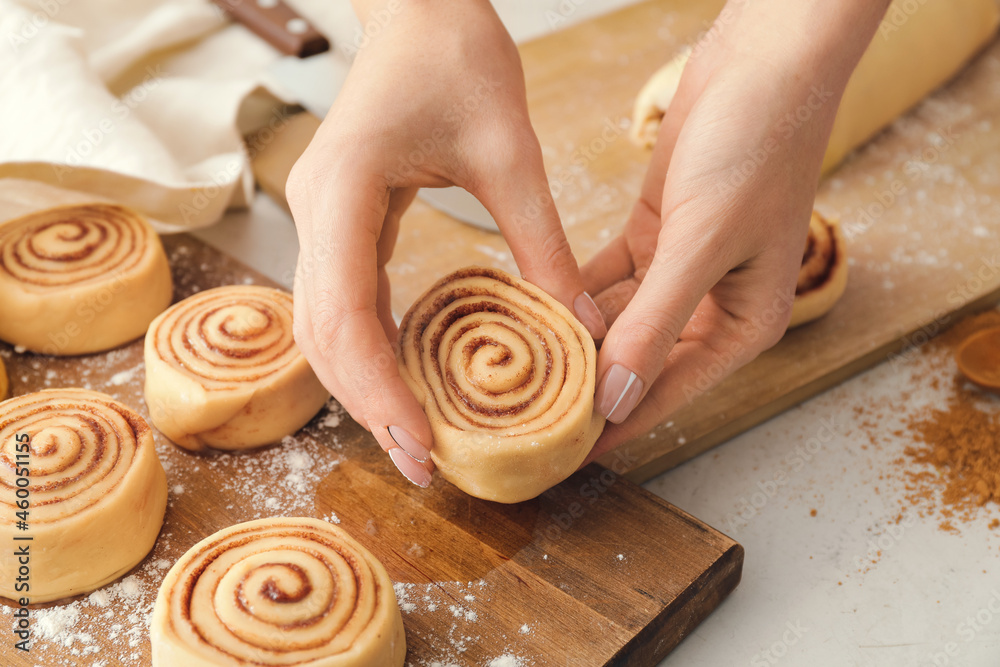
[313,82]
[459,204]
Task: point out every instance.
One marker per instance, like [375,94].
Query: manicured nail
[618,393]
[409,444]
[589,314]
[411,469]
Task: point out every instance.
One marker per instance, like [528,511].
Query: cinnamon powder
[958,445]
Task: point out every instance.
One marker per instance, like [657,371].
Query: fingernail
[409,444]
[618,393]
[411,469]
[589,314]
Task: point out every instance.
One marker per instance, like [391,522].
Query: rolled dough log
[280,591]
[823,276]
[96,490]
[223,370]
[79,279]
[918,47]
[506,375]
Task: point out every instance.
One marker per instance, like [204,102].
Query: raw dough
[506,375]
[80,279]
[280,591]
[97,491]
[654,99]
[918,47]
[823,276]
[223,371]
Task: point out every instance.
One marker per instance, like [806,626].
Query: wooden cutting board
[921,206]
[596,571]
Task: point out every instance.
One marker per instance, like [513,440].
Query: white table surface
[931,598]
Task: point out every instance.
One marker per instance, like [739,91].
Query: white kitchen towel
[140,101]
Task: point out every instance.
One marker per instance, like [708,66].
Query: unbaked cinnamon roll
[654,99]
[823,276]
[506,375]
[223,370]
[80,279]
[282,591]
[91,498]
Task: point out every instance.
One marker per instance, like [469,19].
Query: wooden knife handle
[277,24]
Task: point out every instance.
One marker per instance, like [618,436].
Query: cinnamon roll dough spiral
[281,591]
[79,279]
[96,492]
[823,276]
[506,375]
[223,371]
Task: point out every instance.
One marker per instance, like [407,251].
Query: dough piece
[823,276]
[223,371]
[917,48]
[97,492]
[654,99]
[506,375]
[4,383]
[80,279]
[280,591]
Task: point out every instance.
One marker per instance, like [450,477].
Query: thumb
[519,199]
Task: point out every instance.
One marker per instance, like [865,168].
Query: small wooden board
[596,571]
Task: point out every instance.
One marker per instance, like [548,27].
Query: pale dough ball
[823,276]
[96,493]
[280,591]
[506,376]
[918,47]
[80,279]
[223,370]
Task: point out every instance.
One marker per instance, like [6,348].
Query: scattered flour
[335,415]
[455,606]
[499,256]
[298,463]
[506,660]
[332,420]
[124,377]
[99,598]
[121,612]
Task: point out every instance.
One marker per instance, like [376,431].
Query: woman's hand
[702,279]
[435,99]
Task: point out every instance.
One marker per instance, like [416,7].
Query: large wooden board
[921,205]
[596,571]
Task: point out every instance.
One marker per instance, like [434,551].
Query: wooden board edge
[644,471]
[678,619]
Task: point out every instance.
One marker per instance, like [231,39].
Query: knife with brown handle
[277,24]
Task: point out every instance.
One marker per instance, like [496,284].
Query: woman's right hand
[436,98]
